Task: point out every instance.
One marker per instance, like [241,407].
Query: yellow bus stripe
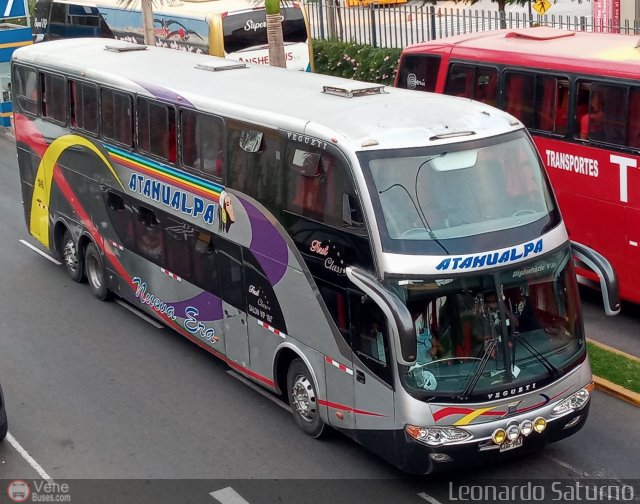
[15,44]
[467,419]
[41,199]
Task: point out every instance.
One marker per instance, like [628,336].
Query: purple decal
[269,247]
[209,307]
[166,95]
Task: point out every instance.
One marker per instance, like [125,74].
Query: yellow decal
[39,222]
[467,419]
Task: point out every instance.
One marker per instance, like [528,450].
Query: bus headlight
[574,402]
[526,427]
[436,436]
[498,436]
[513,431]
[539,425]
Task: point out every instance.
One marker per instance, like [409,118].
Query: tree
[146,6]
[275,38]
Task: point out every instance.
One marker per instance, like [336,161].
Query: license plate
[510,445]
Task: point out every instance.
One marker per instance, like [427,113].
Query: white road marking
[566,465]
[259,390]
[428,498]
[25,455]
[228,496]
[43,254]
[143,316]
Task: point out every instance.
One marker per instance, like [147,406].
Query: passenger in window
[428,344]
[591,123]
[373,342]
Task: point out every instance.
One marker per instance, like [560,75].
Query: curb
[611,388]
[617,391]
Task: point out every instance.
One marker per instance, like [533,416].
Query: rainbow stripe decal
[179,190]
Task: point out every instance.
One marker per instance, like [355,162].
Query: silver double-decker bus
[394,264]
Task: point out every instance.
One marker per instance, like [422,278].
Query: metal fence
[402,25]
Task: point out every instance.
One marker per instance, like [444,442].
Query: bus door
[231,274]
[372,367]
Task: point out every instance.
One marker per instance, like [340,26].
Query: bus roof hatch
[352,90]
[125,47]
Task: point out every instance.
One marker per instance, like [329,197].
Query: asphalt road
[94,391]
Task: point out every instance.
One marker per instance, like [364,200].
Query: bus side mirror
[395,311]
[607,276]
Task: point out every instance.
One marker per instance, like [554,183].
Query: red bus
[579,95]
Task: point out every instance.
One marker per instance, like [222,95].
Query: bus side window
[157,129]
[371,339]
[177,244]
[83,100]
[486,81]
[25,88]
[633,127]
[253,165]
[419,72]
[230,271]
[316,185]
[54,103]
[205,268]
[202,142]
[519,92]
[149,235]
[121,216]
[460,81]
[336,301]
[545,102]
[117,117]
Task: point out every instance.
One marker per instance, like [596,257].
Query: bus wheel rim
[70,256]
[94,273]
[304,399]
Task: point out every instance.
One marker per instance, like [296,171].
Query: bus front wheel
[303,399]
[72,257]
[95,273]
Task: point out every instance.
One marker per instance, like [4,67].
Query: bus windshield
[483,333]
[248,29]
[444,192]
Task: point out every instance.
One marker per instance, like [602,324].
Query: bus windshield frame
[515,328]
[425,186]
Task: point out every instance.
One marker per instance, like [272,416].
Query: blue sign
[13,9]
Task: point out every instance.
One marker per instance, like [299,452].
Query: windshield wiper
[488,352]
[519,337]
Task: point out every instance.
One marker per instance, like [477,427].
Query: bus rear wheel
[72,258]
[96,275]
[303,399]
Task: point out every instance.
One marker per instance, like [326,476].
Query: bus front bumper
[418,458]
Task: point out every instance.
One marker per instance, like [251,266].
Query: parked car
[4,425]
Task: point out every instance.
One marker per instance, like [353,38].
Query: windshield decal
[492,258]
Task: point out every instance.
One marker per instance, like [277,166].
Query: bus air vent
[220,66]
[354,90]
[125,47]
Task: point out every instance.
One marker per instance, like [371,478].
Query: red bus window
[419,72]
